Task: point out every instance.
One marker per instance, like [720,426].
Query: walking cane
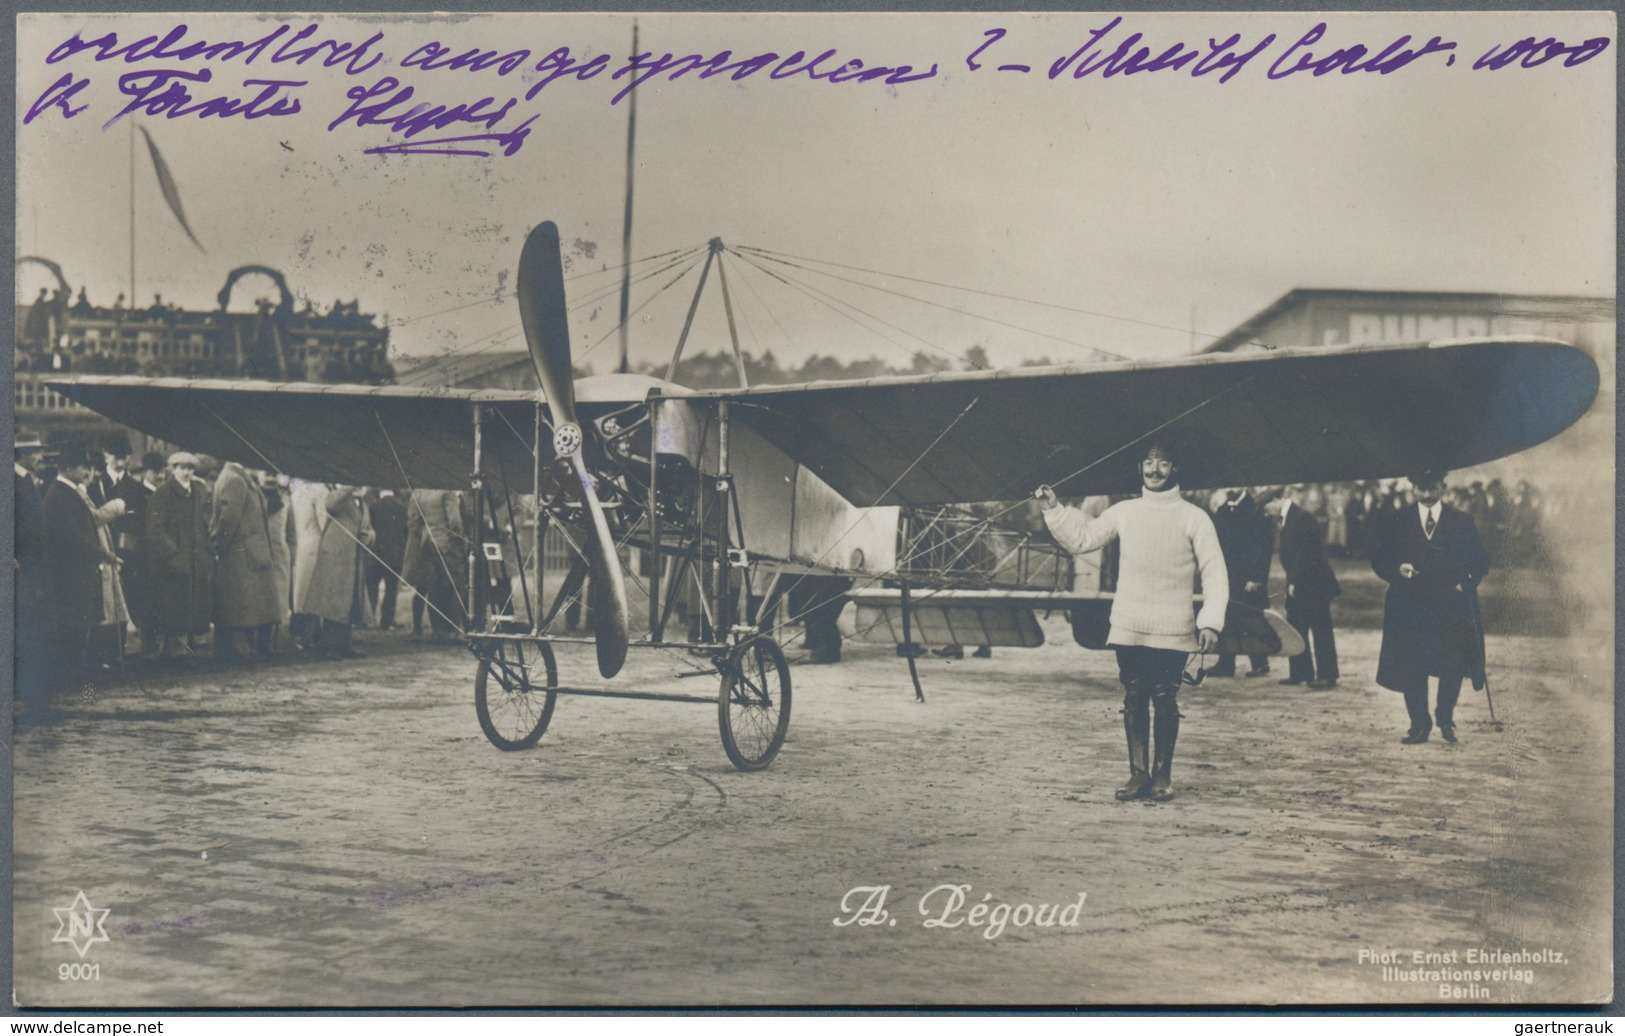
[1483,661]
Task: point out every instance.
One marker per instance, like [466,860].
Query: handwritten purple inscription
[177,73]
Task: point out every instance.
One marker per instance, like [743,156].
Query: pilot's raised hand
[1047,500]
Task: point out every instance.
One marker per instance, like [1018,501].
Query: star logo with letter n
[80,924]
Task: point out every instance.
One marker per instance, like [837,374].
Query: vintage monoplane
[732,495]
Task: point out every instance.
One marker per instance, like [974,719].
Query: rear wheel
[754,707]
[514,692]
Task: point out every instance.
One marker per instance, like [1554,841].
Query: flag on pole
[166,183]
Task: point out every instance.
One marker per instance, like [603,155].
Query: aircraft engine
[619,452]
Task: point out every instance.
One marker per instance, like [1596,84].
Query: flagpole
[626,231]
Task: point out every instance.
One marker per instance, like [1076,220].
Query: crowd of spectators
[1351,513]
[166,560]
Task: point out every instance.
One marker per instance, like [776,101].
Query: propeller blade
[547,331]
[610,624]
[547,325]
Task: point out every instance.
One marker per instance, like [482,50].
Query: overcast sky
[1154,200]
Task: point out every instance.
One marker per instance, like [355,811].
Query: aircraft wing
[418,438]
[1266,418]
[1256,419]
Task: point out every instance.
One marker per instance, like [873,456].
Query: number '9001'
[79,972]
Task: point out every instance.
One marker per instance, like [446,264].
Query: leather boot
[1167,733]
[1137,725]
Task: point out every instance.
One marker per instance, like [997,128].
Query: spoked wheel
[754,709]
[514,692]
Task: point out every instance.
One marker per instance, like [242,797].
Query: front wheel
[754,707]
[513,706]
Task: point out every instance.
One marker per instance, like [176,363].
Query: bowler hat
[73,456]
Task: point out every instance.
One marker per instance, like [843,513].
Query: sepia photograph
[817,509]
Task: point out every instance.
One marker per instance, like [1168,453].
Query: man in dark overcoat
[387,555]
[104,477]
[1247,539]
[181,556]
[28,568]
[1310,587]
[1432,559]
[73,558]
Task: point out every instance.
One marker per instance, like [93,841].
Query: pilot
[1165,541]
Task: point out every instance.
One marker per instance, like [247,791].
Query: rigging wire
[615,289]
[412,496]
[641,306]
[988,520]
[502,296]
[458,354]
[749,283]
[991,294]
[832,303]
[499,337]
[955,309]
[271,466]
[862,517]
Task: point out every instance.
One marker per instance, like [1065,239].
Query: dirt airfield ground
[341,834]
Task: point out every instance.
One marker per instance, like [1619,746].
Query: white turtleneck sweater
[1165,541]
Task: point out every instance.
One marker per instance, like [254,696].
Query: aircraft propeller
[547,331]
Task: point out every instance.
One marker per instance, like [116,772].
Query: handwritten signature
[373,106]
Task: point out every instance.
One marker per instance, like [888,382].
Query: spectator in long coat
[73,556]
[1432,559]
[182,574]
[1310,586]
[1247,540]
[130,540]
[1338,496]
[277,511]
[434,564]
[244,583]
[307,517]
[107,638]
[335,593]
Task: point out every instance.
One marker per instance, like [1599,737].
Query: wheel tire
[513,711]
[753,708]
